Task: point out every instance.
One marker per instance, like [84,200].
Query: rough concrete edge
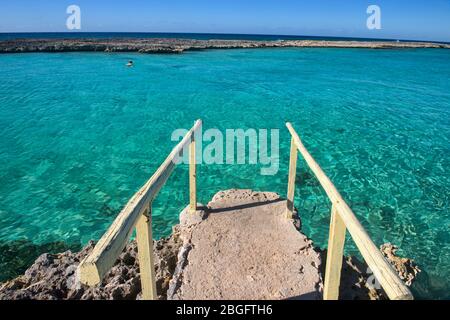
[188,220]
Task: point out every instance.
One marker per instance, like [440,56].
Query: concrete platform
[241,246]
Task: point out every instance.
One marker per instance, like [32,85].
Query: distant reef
[181,45]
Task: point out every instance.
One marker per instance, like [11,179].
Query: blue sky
[401,19]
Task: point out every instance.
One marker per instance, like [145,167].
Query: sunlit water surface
[80,133]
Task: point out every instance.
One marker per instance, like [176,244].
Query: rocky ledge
[180,45]
[54,276]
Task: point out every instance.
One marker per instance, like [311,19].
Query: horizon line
[224,33]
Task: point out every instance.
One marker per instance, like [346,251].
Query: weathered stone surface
[406,268]
[188,219]
[179,45]
[358,281]
[55,276]
[246,249]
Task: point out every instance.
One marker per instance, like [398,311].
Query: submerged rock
[406,268]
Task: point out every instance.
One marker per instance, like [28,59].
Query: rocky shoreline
[181,45]
[53,276]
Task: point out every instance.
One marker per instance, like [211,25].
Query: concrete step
[241,246]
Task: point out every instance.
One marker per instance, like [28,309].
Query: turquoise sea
[80,133]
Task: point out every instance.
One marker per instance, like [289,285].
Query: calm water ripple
[80,133]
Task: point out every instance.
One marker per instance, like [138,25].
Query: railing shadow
[244,206]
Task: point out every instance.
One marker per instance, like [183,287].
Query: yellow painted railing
[137,214]
[342,219]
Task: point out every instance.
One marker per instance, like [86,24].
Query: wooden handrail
[341,212]
[136,213]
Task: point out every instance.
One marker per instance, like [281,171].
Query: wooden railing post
[383,271]
[334,256]
[192,176]
[145,254]
[291,180]
[135,214]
